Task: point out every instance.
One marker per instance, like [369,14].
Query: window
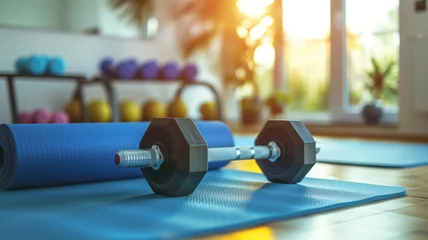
[307,54]
[333,80]
[374,36]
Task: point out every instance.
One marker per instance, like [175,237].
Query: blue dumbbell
[56,66]
[36,65]
[20,65]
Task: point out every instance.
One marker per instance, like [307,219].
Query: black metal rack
[11,77]
[107,84]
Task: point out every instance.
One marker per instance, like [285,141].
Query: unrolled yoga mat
[39,155]
[373,153]
[226,200]
[364,152]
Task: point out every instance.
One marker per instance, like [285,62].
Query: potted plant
[276,103]
[251,110]
[372,111]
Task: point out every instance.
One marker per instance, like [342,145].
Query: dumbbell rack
[11,77]
[82,81]
[110,91]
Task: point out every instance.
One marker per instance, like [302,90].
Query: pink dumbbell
[26,117]
[42,115]
[60,117]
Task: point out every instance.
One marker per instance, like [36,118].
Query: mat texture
[365,152]
[226,200]
[39,155]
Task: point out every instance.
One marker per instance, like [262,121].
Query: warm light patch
[254,233]
[308,19]
[242,32]
[253,8]
[266,21]
[257,32]
[264,55]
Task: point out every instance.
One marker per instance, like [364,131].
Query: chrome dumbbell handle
[154,158]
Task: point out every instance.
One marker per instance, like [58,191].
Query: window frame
[339,110]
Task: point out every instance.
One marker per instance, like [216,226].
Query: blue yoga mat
[41,165]
[373,153]
[40,155]
[226,200]
[365,152]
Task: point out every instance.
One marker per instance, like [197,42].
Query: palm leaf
[370,74]
[375,65]
[136,11]
[388,69]
[200,41]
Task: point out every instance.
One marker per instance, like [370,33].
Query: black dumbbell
[174,156]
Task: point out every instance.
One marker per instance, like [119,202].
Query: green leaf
[200,41]
[371,75]
[375,65]
[388,69]
[136,11]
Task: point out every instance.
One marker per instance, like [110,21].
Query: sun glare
[264,55]
[308,19]
[253,8]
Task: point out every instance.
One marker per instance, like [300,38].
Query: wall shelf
[106,83]
[11,77]
[111,92]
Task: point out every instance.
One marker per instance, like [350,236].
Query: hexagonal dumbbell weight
[174,156]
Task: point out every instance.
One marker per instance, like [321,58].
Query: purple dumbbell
[169,71]
[107,67]
[26,117]
[189,72]
[148,70]
[126,69]
[60,117]
[42,115]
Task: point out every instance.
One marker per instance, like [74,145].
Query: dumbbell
[148,70]
[56,66]
[126,69]
[174,156]
[106,66]
[189,72]
[169,71]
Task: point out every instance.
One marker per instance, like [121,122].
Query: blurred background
[329,62]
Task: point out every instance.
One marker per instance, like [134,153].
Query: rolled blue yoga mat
[40,155]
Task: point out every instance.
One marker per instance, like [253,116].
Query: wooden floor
[400,218]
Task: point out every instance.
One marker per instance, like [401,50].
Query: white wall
[81,15]
[82,53]
[48,15]
[413,86]
[111,23]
